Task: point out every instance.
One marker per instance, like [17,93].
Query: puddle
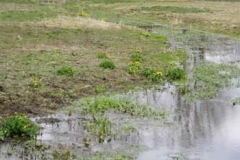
[205,130]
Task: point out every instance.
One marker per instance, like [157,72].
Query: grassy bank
[52,55]
[56,53]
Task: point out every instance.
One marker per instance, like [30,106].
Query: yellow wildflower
[159,73]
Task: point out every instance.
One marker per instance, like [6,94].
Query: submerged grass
[100,105]
[209,78]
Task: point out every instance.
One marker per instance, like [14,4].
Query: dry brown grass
[75,22]
[4,7]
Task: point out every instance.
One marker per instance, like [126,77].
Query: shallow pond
[203,130]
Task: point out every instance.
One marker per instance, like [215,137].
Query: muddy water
[204,130]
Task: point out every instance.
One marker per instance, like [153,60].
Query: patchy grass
[102,104]
[201,15]
[209,78]
[174,9]
[34,51]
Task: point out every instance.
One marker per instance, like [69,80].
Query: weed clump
[136,58]
[152,74]
[65,70]
[107,65]
[133,67]
[100,127]
[18,125]
[35,83]
[174,74]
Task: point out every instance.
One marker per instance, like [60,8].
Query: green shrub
[65,70]
[152,74]
[107,65]
[18,125]
[175,74]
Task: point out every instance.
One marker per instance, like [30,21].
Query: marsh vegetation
[53,55]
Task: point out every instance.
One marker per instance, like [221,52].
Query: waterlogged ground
[202,130]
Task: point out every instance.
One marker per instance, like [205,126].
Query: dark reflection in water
[204,130]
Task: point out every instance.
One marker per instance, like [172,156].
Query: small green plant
[107,65]
[2,135]
[100,89]
[152,74]
[35,82]
[102,55]
[19,125]
[65,70]
[133,67]
[100,127]
[174,74]
[136,58]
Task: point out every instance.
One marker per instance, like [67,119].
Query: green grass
[17,1]
[20,16]
[209,78]
[38,52]
[174,9]
[102,104]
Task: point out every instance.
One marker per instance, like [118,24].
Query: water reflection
[204,130]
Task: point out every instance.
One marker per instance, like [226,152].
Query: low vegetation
[18,126]
[100,105]
[209,78]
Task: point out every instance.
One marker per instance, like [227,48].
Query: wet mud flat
[201,130]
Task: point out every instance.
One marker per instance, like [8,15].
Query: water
[204,130]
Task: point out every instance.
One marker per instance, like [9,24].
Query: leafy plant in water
[65,70]
[101,104]
[208,78]
[19,125]
[152,74]
[100,127]
[107,65]
[133,67]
